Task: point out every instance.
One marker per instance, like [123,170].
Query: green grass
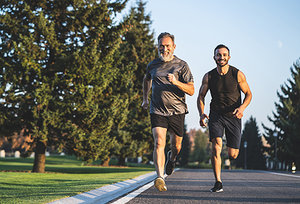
[66,176]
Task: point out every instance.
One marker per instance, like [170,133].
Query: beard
[165,57]
[222,64]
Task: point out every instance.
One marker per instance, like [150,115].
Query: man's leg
[176,127]
[233,153]
[233,136]
[176,142]
[216,157]
[159,135]
[216,163]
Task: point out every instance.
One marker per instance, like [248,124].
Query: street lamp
[275,135]
[245,160]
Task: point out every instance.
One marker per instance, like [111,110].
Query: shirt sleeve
[186,74]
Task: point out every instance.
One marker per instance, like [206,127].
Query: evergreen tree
[134,137]
[255,158]
[56,59]
[286,120]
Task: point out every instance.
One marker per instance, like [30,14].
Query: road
[240,186]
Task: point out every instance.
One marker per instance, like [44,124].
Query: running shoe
[217,188]
[160,184]
[170,165]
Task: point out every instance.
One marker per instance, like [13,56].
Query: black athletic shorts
[218,123]
[173,123]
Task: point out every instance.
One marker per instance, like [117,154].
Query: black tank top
[225,91]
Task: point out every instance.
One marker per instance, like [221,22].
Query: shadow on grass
[54,183]
[49,160]
[75,170]
[69,165]
[93,170]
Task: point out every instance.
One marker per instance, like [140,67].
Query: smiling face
[221,57]
[166,49]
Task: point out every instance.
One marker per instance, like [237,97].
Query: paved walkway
[192,186]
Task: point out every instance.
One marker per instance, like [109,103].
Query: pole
[245,160]
[275,134]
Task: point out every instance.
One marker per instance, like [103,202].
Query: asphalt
[192,186]
[108,193]
[189,186]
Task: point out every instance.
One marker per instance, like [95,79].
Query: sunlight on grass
[65,177]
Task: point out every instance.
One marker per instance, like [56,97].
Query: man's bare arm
[146,88]
[187,88]
[239,112]
[200,100]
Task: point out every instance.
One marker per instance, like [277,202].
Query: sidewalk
[110,192]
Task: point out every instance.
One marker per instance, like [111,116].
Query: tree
[255,158]
[201,152]
[28,79]
[184,153]
[286,120]
[56,59]
[134,137]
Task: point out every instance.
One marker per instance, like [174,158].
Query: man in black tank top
[225,83]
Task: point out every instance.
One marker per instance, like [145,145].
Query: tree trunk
[39,158]
[106,162]
[121,161]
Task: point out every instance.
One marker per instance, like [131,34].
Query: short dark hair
[222,46]
[164,35]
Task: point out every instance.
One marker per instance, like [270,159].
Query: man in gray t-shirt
[167,99]
[171,79]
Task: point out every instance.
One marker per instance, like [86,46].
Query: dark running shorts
[218,123]
[173,123]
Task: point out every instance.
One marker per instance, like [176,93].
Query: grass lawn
[66,176]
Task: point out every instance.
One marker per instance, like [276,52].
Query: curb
[108,193]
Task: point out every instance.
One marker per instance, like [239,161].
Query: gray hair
[164,35]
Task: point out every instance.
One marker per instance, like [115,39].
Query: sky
[263,37]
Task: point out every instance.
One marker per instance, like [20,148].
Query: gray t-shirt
[167,99]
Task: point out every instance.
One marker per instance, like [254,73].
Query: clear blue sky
[263,37]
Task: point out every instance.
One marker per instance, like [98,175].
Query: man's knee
[159,144]
[216,146]
[216,152]
[232,157]
[233,154]
[159,135]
